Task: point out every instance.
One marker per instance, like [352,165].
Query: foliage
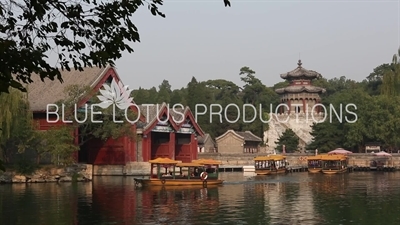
[25,167]
[290,140]
[2,168]
[15,122]
[113,124]
[376,111]
[81,33]
[58,142]
[391,77]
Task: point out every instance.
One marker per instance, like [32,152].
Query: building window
[297,109]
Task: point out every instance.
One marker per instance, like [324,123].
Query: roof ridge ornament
[299,63]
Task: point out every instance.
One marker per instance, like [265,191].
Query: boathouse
[168,133]
[372,147]
[238,142]
[93,151]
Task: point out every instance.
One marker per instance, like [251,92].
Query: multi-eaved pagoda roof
[300,81]
[300,73]
[299,89]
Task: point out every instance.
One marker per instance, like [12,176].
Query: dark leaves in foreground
[227,3]
[77,34]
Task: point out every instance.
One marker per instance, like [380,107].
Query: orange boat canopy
[270,158]
[333,157]
[192,164]
[207,162]
[164,161]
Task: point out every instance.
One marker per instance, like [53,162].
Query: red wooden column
[130,149]
[146,147]
[193,147]
[289,104]
[172,145]
[132,146]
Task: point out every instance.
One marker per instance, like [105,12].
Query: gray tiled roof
[40,93]
[202,140]
[245,135]
[248,136]
[298,89]
[301,73]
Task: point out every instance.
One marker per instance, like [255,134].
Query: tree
[391,78]
[58,142]
[15,123]
[89,33]
[81,119]
[2,168]
[177,97]
[140,96]
[255,92]
[164,92]
[289,139]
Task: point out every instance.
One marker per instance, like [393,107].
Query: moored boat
[168,172]
[332,164]
[271,164]
[314,164]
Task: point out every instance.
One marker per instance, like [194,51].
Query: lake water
[297,198]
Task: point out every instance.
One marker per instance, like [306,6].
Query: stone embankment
[79,173]
[297,159]
[84,172]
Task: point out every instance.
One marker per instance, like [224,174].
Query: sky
[205,40]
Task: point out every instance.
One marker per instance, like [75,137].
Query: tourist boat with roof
[168,172]
[314,163]
[333,164]
[271,164]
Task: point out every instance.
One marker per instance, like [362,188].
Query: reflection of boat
[271,164]
[174,188]
[332,164]
[314,164]
[199,172]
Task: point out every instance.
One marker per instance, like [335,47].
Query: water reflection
[298,198]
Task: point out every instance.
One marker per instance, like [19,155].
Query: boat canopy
[192,164]
[333,157]
[315,157]
[207,162]
[164,161]
[269,158]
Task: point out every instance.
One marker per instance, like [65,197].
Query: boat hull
[330,171]
[279,171]
[268,172]
[176,182]
[314,170]
[263,172]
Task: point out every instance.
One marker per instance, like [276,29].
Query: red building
[168,133]
[154,139]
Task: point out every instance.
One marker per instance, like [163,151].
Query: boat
[271,164]
[333,164]
[380,160]
[168,172]
[314,164]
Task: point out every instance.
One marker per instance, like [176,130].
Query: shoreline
[85,172]
[49,174]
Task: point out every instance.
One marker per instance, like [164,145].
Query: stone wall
[132,168]
[300,123]
[80,172]
[294,159]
